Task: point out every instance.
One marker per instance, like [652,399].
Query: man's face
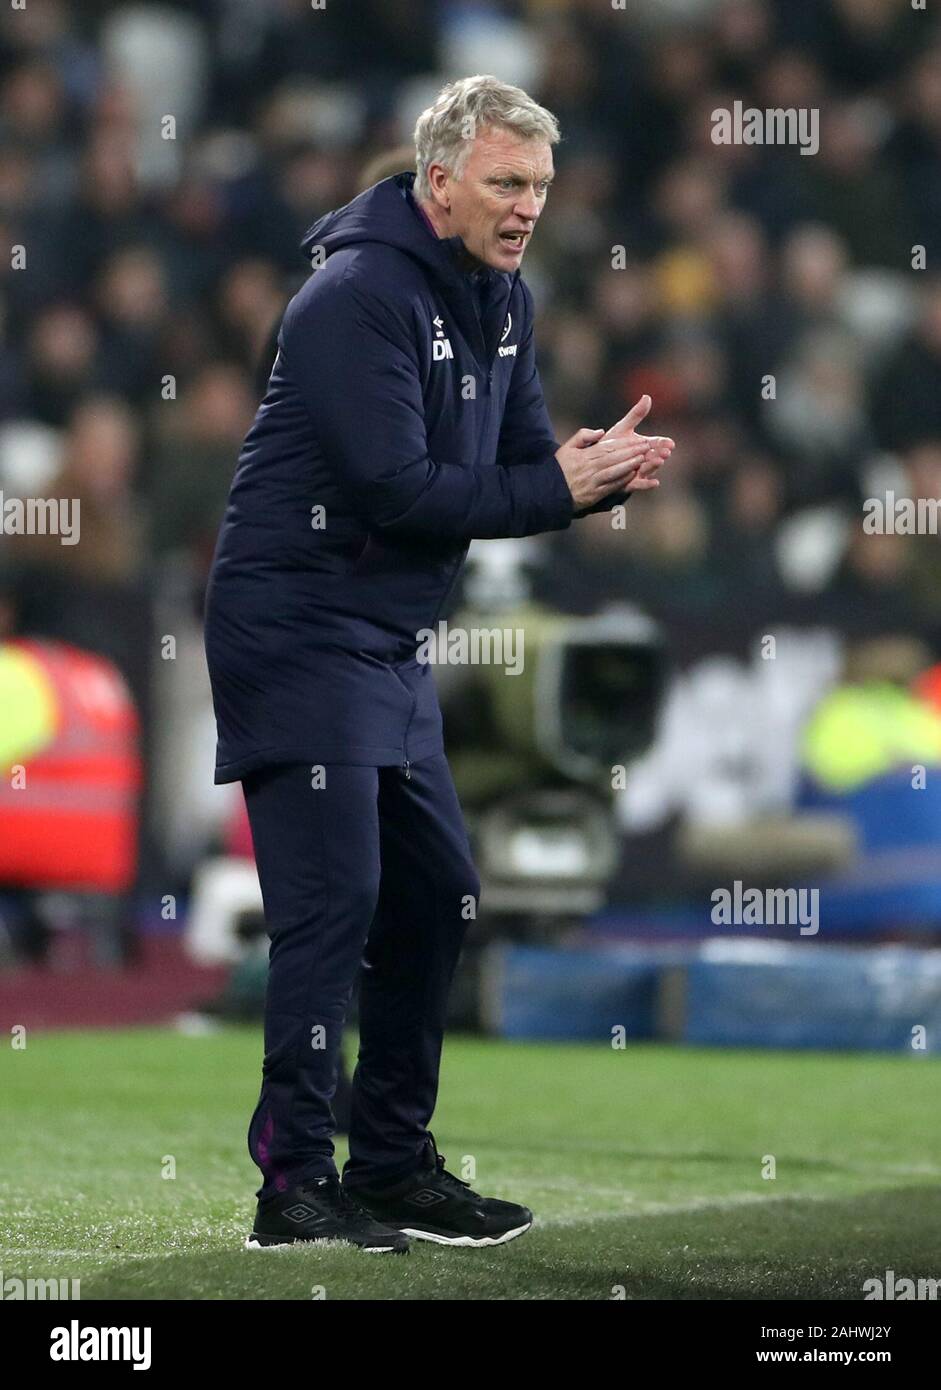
[499,196]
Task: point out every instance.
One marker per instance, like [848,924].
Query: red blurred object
[652,378]
[238,840]
[74,824]
[160,984]
[927,687]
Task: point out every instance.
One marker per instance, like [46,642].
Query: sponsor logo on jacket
[510,349]
[440,346]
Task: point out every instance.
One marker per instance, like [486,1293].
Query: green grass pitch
[643,1167]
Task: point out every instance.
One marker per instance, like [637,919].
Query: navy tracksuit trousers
[361,866]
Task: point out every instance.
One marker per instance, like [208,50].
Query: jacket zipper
[406,764]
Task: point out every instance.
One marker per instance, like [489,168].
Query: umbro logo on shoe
[299,1212]
[426,1197]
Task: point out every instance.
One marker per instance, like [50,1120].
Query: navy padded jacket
[397,426]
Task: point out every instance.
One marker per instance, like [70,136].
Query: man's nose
[527,206]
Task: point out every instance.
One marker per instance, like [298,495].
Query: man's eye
[542,188]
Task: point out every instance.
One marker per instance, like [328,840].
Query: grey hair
[445,131]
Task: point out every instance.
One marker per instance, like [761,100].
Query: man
[404,418]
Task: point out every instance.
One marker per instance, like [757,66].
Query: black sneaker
[321,1210]
[432,1204]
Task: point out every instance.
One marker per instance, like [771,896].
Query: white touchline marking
[525,1190]
[643,1208]
[640,1207]
[588,1149]
[10,1252]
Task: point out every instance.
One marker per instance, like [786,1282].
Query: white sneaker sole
[252,1244]
[465,1240]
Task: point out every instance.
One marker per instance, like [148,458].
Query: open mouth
[515,240]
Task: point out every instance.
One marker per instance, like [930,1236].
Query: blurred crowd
[160,162]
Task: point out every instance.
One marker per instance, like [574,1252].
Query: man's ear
[437,177]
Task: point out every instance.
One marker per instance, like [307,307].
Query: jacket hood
[386,213]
